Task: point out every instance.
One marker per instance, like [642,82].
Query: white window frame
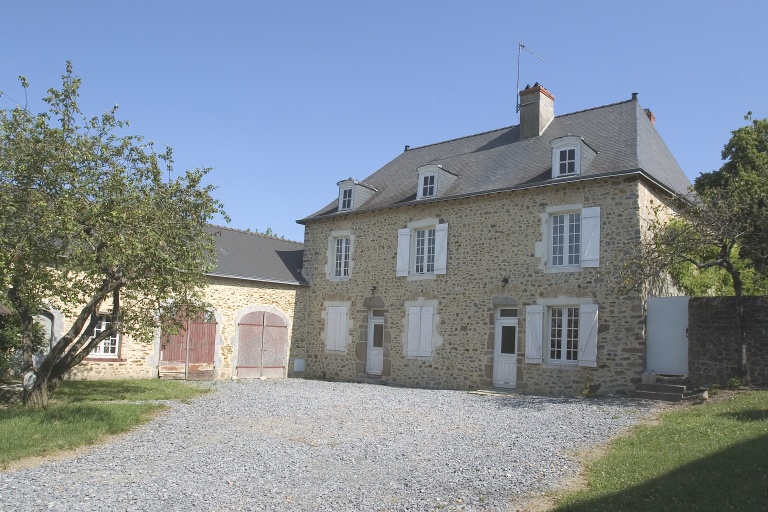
[566,144]
[565,228]
[346,198]
[427,185]
[336,333]
[108,348]
[580,241]
[332,255]
[422,249]
[341,257]
[539,332]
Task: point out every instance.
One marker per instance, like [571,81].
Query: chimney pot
[537,109]
[407,148]
[651,117]
[634,96]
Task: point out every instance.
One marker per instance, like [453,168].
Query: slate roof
[255,257]
[625,140]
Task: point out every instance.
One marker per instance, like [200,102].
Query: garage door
[189,353]
[262,346]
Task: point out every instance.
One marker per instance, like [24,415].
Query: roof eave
[257,279]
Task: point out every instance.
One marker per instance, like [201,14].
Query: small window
[346,199]
[566,239]
[428,185]
[108,347]
[508,313]
[567,162]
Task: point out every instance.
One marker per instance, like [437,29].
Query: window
[427,186]
[425,251]
[341,261]
[569,335]
[563,334]
[567,162]
[346,199]
[422,249]
[420,327]
[336,327]
[572,236]
[566,239]
[108,347]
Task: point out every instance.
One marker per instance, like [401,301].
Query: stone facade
[496,255]
[230,298]
[713,347]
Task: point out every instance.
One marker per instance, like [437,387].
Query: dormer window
[428,185]
[570,156]
[434,180]
[353,194]
[346,199]
[567,162]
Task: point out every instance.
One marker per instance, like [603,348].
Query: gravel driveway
[311,445]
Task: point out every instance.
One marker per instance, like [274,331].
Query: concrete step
[676,380]
[656,395]
[662,388]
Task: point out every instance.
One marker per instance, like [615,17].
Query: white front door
[505,349]
[375,343]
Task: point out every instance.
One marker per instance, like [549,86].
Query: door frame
[498,358]
[371,351]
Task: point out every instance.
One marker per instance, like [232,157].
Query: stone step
[655,395]
[662,388]
[676,380]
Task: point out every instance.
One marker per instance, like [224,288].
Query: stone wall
[713,342]
[228,297]
[495,248]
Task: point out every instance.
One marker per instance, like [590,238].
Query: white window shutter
[441,248]
[414,327]
[588,335]
[425,336]
[403,251]
[590,239]
[534,332]
[331,327]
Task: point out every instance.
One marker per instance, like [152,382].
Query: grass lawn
[79,414]
[711,456]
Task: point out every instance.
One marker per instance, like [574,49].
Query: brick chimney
[650,116]
[537,109]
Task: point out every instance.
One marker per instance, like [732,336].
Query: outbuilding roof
[256,257]
[622,134]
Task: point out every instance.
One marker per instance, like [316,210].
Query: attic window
[345,201]
[427,188]
[567,162]
[570,156]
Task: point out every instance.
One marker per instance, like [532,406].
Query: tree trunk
[35,393]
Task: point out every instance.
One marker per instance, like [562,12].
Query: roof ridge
[514,125]
[271,237]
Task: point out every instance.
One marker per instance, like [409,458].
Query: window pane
[574,238]
[378,335]
[571,155]
[556,333]
[420,242]
[572,335]
[508,338]
[558,239]
[508,313]
[378,313]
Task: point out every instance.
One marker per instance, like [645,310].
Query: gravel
[311,445]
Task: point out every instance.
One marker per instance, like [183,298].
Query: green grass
[78,415]
[712,456]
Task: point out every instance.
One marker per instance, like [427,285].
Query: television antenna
[520,47]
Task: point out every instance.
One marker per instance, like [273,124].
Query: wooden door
[505,349]
[262,346]
[375,357]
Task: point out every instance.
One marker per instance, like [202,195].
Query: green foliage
[92,220]
[734,382]
[723,443]
[715,281]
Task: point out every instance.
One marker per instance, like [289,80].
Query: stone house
[491,259]
[253,293]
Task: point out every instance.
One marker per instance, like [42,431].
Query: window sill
[104,359]
[335,279]
[420,277]
[559,269]
[570,365]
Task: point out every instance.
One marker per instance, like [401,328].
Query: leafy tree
[89,225]
[718,241]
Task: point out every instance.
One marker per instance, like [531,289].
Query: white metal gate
[666,334]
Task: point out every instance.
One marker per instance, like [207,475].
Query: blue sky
[284,99]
